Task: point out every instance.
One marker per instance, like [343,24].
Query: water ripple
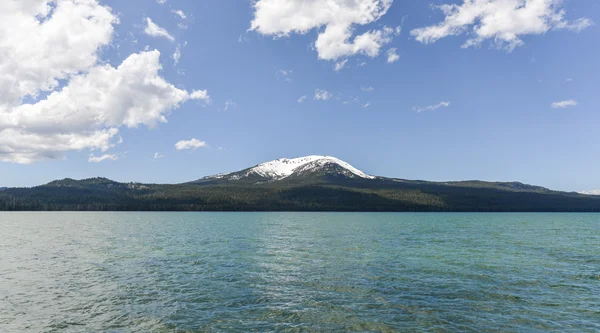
[299,272]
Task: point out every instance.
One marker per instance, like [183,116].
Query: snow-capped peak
[285,167]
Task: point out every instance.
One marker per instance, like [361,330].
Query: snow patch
[591,192]
[285,167]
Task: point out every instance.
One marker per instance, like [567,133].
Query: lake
[299,272]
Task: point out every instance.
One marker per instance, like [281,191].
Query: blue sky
[486,110]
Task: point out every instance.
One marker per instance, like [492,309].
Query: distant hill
[312,183]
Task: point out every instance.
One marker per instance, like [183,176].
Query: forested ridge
[320,193]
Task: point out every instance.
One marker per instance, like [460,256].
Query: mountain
[311,183]
[295,168]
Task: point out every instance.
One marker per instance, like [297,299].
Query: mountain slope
[312,183]
[283,168]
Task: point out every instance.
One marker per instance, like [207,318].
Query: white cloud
[179,13]
[302,99]
[590,192]
[40,45]
[162,2]
[152,29]
[190,144]
[502,21]
[351,100]
[339,17]
[201,95]
[340,65]
[578,26]
[229,105]
[158,156]
[564,104]
[98,159]
[392,56]
[87,112]
[431,107]
[177,55]
[60,41]
[366,105]
[367,89]
[569,80]
[284,74]
[322,95]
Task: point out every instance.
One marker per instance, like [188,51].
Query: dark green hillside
[324,191]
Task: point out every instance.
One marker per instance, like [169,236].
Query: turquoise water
[299,272]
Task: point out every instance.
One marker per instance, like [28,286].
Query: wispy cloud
[284,74]
[302,99]
[367,89]
[578,26]
[564,104]
[190,144]
[322,95]
[158,156]
[177,55]
[351,100]
[340,65]
[179,13]
[431,107]
[105,157]
[152,29]
[229,105]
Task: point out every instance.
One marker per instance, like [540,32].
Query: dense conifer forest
[320,193]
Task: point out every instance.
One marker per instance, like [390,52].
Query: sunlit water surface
[299,272]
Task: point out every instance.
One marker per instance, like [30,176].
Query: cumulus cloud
[98,159]
[302,99]
[564,104]
[502,21]
[152,29]
[322,95]
[88,111]
[50,44]
[190,144]
[392,56]
[431,107]
[339,17]
[60,43]
[201,95]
